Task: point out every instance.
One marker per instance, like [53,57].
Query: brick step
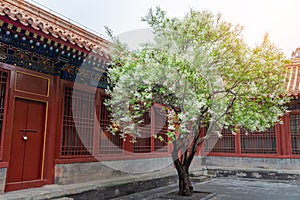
[199,178]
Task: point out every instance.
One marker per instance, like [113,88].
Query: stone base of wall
[247,162]
[274,168]
[94,171]
[254,173]
[83,172]
[2,179]
[261,168]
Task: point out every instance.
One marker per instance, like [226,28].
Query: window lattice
[143,142]
[109,143]
[155,122]
[78,123]
[226,144]
[259,142]
[160,129]
[3,91]
[295,133]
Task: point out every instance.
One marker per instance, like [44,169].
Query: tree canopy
[200,66]
[202,71]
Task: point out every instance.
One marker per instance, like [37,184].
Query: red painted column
[52,145]
[59,106]
[278,133]
[238,143]
[285,137]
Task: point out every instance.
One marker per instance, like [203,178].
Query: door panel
[26,157]
[17,154]
[34,148]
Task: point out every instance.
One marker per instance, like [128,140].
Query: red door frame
[6,104]
[32,178]
[51,121]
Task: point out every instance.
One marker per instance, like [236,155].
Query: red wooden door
[26,156]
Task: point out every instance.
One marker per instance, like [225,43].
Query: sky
[279,18]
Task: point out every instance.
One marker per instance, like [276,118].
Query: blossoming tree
[202,72]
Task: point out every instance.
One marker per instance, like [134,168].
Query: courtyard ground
[225,188]
[230,189]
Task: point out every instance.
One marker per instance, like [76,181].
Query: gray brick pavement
[230,189]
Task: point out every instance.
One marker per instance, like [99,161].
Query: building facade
[53,118]
[276,148]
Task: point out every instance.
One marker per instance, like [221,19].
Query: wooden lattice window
[295,133]
[143,142]
[259,142]
[160,129]
[155,123]
[78,123]
[3,105]
[226,144]
[109,143]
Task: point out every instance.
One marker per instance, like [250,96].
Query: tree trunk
[182,167]
[185,185]
[182,164]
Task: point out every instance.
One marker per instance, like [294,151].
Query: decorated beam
[31,46]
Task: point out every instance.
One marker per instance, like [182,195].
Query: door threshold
[24,185]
